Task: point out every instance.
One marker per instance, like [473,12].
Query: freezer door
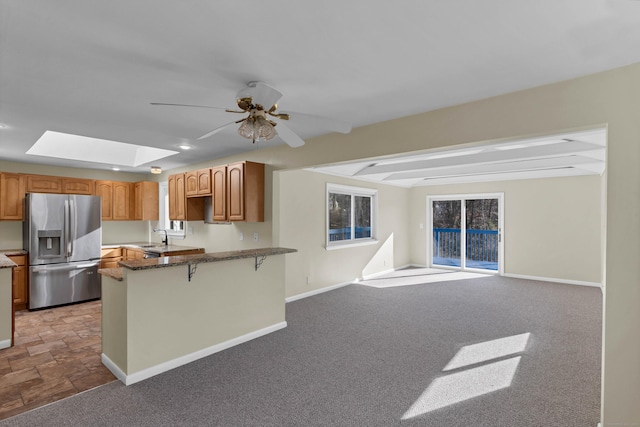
[85,227]
[51,285]
[45,228]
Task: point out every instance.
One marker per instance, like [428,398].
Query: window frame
[352,191]
[174,228]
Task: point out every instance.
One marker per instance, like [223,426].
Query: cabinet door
[104,189]
[11,196]
[191,183]
[121,200]
[78,186]
[176,197]
[146,201]
[204,182]
[219,199]
[19,282]
[44,184]
[235,191]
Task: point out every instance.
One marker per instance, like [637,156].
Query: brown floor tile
[13,352]
[55,369]
[48,389]
[26,339]
[94,380]
[57,353]
[45,347]
[18,377]
[30,361]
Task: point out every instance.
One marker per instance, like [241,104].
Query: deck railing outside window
[482,245]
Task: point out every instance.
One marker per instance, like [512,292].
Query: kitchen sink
[149,246]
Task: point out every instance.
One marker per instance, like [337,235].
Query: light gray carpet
[363,356]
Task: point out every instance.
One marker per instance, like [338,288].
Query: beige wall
[302,224]
[552,227]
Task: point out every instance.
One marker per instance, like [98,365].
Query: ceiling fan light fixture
[257,127]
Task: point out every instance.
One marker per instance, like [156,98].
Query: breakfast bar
[161,313]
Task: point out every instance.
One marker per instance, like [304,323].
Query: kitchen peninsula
[161,313]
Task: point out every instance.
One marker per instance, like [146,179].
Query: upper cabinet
[146,201]
[43,184]
[104,189]
[78,186]
[245,192]
[181,207]
[238,192]
[122,201]
[11,196]
[198,183]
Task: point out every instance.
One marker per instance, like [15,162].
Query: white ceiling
[92,67]
[569,154]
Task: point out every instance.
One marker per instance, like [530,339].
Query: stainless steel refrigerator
[63,234]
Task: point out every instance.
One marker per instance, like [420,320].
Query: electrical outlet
[308,280]
[190,230]
[421,226]
[241,235]
[255,236]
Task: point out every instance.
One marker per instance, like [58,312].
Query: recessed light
[3,126]
[115,169]
[185,146]
[156,170]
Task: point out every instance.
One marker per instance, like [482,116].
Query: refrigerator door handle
[72,225]
[63,267]
[67,237]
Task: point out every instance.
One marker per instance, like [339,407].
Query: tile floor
[56,354]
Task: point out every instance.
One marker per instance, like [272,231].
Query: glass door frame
[463,226]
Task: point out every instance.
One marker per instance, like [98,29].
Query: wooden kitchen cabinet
[245,192]
[109,257]
[78,186]
[116,199]
[182,208]
[11,196]
[132,253]
[104,189]
[198,183]
[19,282]
[219,187]
[146,198]
[43,184]
[121,207]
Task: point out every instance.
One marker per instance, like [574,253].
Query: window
[351,214]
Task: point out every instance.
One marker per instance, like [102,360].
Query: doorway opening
[465,232]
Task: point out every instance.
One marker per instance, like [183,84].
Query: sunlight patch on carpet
[488,350]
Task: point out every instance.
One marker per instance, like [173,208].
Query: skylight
[87,149]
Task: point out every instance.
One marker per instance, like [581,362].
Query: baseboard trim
[187,358]
[551,279]
[5,344]
[316,292]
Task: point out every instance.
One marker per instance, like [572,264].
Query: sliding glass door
[466,231]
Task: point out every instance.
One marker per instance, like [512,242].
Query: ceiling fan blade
[289,136]
[216,130]
[260,93]
[333,125]
[186,105]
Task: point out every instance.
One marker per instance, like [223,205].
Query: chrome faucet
[165,241]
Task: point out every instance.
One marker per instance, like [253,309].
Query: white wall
[301,224]
[552,227]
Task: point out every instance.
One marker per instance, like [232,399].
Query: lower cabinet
[19,282]
[109,257]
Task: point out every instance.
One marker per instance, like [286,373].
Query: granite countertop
[170,261]
[6,262]
[114,273]
[11,252]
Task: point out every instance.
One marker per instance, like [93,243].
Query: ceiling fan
[259,101]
